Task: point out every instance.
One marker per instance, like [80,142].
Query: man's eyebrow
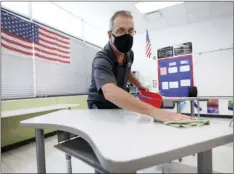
[121,28]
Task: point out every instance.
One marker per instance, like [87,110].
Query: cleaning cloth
[197,122]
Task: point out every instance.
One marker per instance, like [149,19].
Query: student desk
[25,111]
[178,100]
[127,142]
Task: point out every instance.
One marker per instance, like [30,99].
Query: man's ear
[109,34]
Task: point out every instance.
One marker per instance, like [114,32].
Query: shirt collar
[111,53]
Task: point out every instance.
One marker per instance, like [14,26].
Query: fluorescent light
[147,7]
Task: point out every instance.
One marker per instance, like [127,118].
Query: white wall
[57,16]
[205,36]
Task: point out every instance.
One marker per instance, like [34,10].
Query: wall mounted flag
[24,37]
[148,45]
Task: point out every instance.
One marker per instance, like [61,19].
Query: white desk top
[35,110]
[124,142]
[194,98]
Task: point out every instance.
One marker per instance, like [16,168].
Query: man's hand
[143,88]
[163,115]
[127,101]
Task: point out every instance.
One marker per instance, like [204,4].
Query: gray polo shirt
[106,69]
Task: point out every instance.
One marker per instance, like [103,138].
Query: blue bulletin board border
[173,58]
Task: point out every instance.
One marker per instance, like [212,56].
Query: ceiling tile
[157,25]
[219,9]
[198,11]
[174,15]
[198,17]
[153,16]
[197,7]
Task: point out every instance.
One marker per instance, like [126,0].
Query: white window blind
[54,78]
[51,77]
[17,63]
[17,76]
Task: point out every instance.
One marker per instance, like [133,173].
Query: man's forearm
[125,100]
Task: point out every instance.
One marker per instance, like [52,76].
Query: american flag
[148,45]
[28,38]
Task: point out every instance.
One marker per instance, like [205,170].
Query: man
[111,69]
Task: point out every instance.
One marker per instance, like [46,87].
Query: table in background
[18,112]
[192,100]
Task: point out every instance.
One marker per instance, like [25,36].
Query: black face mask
[123,43]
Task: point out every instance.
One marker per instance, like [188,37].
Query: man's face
[122,25]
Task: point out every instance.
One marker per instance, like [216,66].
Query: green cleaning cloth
[198,122]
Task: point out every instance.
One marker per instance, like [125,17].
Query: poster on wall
[165,52]
[183,49]
[213,106]
[175,76]
[230,105]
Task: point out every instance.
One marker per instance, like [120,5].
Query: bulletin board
[175,76]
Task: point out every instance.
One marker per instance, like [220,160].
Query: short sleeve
[103,73]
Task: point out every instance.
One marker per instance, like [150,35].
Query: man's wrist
[139,85]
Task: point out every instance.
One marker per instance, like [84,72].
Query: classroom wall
[55,15]
[206,36]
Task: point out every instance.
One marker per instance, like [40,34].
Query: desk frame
[204,159]
[40,151]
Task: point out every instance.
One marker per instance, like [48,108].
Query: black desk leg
[204,162]
[40,151]
[192,107]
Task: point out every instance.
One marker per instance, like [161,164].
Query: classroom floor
[23,160]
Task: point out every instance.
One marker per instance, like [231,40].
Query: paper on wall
[164,85]
[174,84]
[185,82]
[172,64]
[183,62]
[173,70]
[163,71]
[184,68]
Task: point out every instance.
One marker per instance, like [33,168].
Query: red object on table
[156,100]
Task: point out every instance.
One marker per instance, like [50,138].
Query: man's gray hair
[119,13]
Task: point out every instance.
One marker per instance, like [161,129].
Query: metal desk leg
[231,122]
[40,151]
[178,107]
[68,157]
[192,107]
[198,108]
[204,162]
[179,111]
[69,165]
